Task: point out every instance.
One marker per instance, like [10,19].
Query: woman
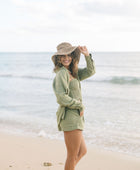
[67,88]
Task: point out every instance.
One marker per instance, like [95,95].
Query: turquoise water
[111,98]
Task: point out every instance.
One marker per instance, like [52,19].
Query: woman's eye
[65,56]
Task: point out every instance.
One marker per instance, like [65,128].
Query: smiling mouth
[66,61]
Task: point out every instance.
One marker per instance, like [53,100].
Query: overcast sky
[40,25]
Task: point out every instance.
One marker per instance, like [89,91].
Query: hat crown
[66,48]
[63,45]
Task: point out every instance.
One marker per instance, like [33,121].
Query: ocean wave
[25,76]
[118,80]
[125,80]
[113,79]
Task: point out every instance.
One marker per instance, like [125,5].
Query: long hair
[73,67]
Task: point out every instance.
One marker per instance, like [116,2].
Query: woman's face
[66,60]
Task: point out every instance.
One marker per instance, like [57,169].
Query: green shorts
[72,120]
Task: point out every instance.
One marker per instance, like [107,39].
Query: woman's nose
[66,56]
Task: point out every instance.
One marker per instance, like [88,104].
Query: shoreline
[20,152]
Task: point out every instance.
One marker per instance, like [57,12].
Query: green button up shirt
[67,97]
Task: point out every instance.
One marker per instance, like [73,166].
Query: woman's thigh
[73,141]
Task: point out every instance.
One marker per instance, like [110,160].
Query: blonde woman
[67,88]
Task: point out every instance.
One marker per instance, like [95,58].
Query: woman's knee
[72,158]
[83,152]
[83,148]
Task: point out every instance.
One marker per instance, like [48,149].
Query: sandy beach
[36,153]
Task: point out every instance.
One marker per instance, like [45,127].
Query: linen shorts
[72,120]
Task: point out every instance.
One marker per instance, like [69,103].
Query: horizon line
[54,51]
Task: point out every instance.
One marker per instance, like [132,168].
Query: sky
[40,25]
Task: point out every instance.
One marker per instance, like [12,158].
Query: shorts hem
[70,128]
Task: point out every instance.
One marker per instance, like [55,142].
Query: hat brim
[66,52]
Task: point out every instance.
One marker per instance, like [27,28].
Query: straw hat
[66,48]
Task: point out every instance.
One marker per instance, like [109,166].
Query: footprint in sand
[47,164]
[60,163]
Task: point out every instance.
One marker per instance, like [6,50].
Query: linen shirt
[70,98]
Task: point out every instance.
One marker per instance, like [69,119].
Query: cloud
[108,7]
[83,17]
[73,12]
[94,22]
[45,17]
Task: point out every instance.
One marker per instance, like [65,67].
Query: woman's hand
[84,50]
[82,113]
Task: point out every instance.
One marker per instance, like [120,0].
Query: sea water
[111,98]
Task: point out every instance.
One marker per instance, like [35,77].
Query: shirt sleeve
[88,71]
[61,89]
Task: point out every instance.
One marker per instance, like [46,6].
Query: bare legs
[76,148]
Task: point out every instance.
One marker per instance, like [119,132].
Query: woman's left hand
[84,50]
[81,113]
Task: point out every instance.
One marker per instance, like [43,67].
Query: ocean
[111,98]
